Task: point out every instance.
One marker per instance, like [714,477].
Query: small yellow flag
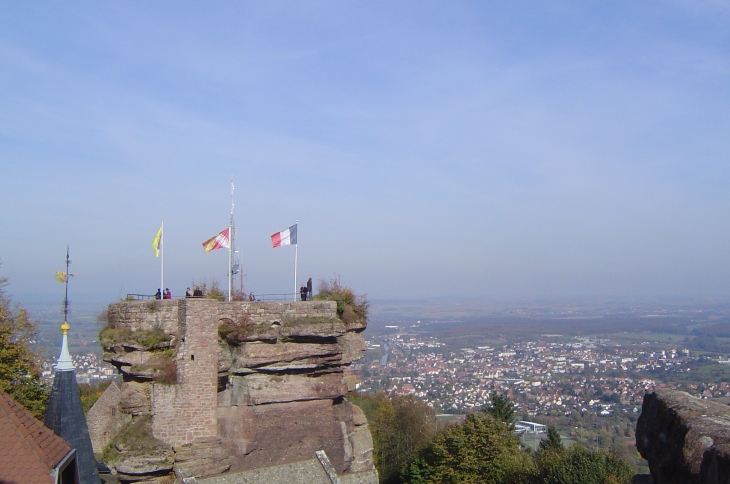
[157,242]
[61,276]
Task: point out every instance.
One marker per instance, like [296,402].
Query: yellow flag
[61,276]
[157,242]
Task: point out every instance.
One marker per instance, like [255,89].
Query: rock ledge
[686,440]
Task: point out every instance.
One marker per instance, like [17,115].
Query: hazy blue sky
[482,149]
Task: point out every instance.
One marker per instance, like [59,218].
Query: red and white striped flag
[220,241]
[285,237]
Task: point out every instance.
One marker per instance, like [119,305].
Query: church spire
[64,414]
[65,363]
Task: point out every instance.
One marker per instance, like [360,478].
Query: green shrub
[400,425]
[135,437]
[351,308]
[481,450]
[110,453]
[583,466]
[162,367]
[150,339]
[239,331]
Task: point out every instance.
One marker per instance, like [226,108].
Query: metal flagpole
[296,256]
[230,248]
[162,257]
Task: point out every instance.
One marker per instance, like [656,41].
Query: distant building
[103,419]
[531,427]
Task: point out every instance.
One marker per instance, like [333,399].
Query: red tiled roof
[28,449]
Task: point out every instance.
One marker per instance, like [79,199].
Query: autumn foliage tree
[400,425]
[19,364]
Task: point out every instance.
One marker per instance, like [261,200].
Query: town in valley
[582,371]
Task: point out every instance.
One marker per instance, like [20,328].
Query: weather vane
[64,277]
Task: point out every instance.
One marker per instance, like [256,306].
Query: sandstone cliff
[686,440]
[230,386]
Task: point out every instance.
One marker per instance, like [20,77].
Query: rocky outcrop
[153,465]
[686,440]
[361,442]
[203,457]
[238,385]
[137,456]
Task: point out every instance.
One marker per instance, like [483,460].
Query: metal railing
[286,296]
[139,297]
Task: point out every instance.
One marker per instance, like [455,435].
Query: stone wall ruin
[253,384]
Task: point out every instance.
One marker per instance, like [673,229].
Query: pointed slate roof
[29,451]
[65,416]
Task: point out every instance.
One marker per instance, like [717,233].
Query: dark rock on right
[686,440]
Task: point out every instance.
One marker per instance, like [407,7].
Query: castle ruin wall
[273,394]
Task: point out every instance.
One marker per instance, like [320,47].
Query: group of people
[305,292]
[168,295]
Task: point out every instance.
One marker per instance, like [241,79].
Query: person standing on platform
[168,294]
[158,294]
[303,292]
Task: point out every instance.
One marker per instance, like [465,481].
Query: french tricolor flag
[285,237]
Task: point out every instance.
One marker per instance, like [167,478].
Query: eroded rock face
[285,356]
[150,466]
[135,398]
[264,435]
[685,439]
[203,457]
[275,372]
[139,456]
[361,441]
[262,388]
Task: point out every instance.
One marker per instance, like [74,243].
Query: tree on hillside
[553,441]
[501,408]
[481,450]
[400,425]
[583,466]
[19,364]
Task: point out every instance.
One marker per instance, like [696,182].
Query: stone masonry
[103,419]
[187,411]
